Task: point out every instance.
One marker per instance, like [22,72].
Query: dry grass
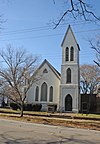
[86,124]
[3,110]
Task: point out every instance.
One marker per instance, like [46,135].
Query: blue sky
[29,25]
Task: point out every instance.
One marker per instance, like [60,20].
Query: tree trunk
[21,112]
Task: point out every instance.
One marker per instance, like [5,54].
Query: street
[16,132]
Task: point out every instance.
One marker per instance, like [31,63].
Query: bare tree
[95,44]
[77,8]
[90,78]
[16,74]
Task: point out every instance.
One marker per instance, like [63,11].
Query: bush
[26,107]
[37,107]
[14,106]
[32,107]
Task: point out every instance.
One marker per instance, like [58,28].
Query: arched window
[68,75]
[72,54]
[37,94]
[68,103]
[44,92]
[51,94]
[67,54]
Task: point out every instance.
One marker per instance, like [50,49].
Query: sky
[29,25]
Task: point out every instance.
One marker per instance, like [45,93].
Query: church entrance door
[68,103]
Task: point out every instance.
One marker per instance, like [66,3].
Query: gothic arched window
[72,54]
[68,103]
[37,94]
[68,76]
[67,54]
[44,92]
[51,94]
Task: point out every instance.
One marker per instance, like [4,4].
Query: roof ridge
[52,68]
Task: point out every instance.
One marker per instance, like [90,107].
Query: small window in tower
[72,54]
[68,76]
[67,54]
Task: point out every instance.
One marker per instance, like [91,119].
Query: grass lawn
[88,115]
[4,110]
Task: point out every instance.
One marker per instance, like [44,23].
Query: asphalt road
[15,132]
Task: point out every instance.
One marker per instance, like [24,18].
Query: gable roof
[69,28]
[51,67]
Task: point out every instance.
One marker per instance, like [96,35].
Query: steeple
[70,72]
[70,47]
[69,32]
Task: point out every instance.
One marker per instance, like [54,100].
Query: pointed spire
[69,28]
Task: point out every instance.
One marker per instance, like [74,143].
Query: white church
[62,89]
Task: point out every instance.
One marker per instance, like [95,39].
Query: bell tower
[69,88]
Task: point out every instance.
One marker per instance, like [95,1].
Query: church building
[58,89]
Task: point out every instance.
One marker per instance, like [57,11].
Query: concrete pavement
[16,132]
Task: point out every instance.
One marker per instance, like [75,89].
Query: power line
[42,36]
[59,55]
[42,28]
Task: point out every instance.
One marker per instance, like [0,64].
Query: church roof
[51,67]
[69,28]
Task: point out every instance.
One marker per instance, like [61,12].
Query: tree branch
[78,8]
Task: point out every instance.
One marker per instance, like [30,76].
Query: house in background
[3,101]
[55,88]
